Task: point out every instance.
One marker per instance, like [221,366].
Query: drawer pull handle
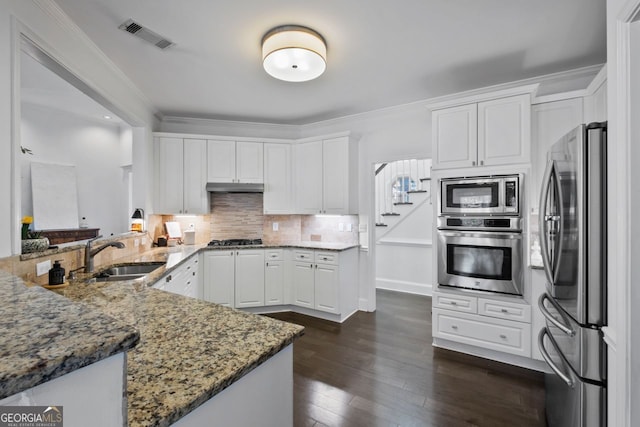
[454,303]
[454,327]
[503,336]
[504,310]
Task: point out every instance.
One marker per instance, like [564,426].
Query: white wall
[48,27]
[623,333]
[95,149]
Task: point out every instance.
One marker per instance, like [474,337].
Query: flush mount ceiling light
[293,53]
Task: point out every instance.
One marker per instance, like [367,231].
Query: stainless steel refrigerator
[573,237]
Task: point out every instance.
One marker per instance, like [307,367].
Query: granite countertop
[189,350]
[45,336]
[168,337]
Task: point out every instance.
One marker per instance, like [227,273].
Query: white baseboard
[405,286]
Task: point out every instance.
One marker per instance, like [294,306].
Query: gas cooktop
[235,242]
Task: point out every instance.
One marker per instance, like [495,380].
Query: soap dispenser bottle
[56,274]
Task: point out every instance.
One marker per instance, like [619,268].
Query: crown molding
[67,25]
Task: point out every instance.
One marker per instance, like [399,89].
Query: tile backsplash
[240,216]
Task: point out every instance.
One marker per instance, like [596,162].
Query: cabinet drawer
[303,256]
[326,258]
[273,255]
[462,303]
[504,310]
[482,331]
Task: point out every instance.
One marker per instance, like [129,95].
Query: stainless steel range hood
[234,187]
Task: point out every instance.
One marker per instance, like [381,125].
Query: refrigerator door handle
[564,327]
[544,219]
[560,230]
[543,351]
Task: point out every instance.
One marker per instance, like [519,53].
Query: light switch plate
[43,267]
[349,227]
[275,226]
[136,243]
[341,226]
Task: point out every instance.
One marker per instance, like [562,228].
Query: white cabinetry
[487,133]
[278,197]
[324,181]
[249,283]
[219,277]
[274,277]
[325,281]
[181,176]
[234,161]
[234,278]
[483,322]
[184,280]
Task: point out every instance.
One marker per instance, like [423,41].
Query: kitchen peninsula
[192,357]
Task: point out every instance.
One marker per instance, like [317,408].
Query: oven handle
[551,318]
[482,234]
[543,351]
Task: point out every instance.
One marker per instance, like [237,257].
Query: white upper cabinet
[278,197]
[488,133]
[308,177]
[234,161]
[181,176]
[325,180]
[455,135]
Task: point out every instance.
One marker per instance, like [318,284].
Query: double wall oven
[480,234]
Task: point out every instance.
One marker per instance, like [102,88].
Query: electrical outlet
[143,241]
[341,226]
[136,243]
[43,267]
[349,227]
[275,226]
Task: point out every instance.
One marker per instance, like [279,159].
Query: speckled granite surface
[45,336]
[189,350]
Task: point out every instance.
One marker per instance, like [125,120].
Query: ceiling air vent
[145,34]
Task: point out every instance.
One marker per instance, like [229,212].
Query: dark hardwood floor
[380,369]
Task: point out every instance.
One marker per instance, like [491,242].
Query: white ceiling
[381,53]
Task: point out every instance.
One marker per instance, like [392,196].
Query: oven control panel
[479,223]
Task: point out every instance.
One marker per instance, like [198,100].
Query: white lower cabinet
[492,324]
[326,292]
[249,284]
[219,277]
[303,284]
[234,278]
[184,280]
[274,277]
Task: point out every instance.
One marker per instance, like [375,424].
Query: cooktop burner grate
[235,242]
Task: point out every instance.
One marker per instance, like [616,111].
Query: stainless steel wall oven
[481,254]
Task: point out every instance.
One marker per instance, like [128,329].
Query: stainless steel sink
[128,271]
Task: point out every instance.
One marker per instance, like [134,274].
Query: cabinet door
[303,284]
[455,137]
[326,292]
[250,278]
[249,162]
[273,282]
[195,177]
[335,176]
[550,121]
[169,175]
[308,177]
[219,277]
[221,161]
[277,179]
[504,131]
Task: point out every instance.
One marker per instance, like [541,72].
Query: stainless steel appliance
[481,195]
[480,253]
[573,240]
[235,242]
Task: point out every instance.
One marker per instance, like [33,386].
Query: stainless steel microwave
[486,195]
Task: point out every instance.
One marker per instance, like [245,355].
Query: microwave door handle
[544,219]
[543,351]
[564,327]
